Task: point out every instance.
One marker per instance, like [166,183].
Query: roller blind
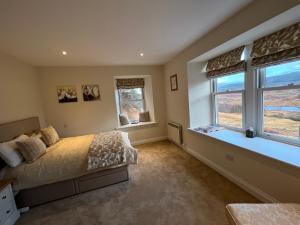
[227,63]
[130,83]
[278,47]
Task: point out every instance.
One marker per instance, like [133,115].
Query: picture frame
[66,93]
[173,82]
[90,92]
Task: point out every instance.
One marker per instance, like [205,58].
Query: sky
[236,78]
[283,68]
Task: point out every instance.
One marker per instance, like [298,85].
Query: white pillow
[9,151]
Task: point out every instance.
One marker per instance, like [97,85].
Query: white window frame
[260,73]
[214,93]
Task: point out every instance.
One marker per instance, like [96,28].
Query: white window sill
[285,153]
[136,125]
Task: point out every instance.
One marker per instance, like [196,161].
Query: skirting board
[259,194]
[149,140]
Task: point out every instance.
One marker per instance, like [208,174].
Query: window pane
[131,102]
[282,112]
[131,94]
[231,83]
[229,109]
[283,74]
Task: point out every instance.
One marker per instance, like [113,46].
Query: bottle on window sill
[250,132]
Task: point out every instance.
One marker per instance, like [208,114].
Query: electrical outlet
[229,157]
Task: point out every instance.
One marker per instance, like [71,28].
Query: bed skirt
[50,192]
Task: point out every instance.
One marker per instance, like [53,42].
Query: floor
[168,186]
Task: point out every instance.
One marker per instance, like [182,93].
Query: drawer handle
[8,211]
[4,197]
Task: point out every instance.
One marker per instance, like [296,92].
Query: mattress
[66,159]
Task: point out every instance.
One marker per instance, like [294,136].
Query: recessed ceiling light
[141,54]
[64,53]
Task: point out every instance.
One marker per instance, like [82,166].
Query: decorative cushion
[144,116]
[123,119]
[32,148]
[9,151]
[49,135]
[264,214]
[38,135]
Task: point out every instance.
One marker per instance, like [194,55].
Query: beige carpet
[168,186]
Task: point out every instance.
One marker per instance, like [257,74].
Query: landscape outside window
[132,102]
[228,98]
[281,99]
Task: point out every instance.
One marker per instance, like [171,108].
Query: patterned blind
[277,47]
[130,83]
[226,64]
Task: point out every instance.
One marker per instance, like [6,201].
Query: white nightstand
[8,210]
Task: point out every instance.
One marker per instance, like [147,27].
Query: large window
[269,100]
[132,102]
[279,101]
[228,100]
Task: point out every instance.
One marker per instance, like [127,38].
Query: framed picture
[173,82]
[91,92]
[66,94]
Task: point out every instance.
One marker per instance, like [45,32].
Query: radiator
[175,132]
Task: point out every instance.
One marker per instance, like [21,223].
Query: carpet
[168,186]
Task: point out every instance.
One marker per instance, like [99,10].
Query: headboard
[13,129]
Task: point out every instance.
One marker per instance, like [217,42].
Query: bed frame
[50,192]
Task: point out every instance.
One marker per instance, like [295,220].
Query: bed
[59,173]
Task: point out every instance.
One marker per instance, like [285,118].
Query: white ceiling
[106,32]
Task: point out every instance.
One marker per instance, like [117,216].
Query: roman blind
[130,83]
[277,47]
[227,63]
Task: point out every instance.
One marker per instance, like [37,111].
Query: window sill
[288,154]
[137,125]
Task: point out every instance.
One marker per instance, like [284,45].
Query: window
[228,100]
[279,101]
[132,102]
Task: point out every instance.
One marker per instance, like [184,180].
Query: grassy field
[285,123]
[273,124]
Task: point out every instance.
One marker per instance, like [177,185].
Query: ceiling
[106,32]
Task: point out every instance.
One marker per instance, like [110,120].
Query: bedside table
[8,210]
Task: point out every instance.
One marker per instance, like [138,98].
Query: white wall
[19,90]
[90,117]
[268,179]
[199,95]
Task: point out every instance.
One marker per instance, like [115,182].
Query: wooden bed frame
[50,192]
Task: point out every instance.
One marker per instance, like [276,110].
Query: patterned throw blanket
[111,149]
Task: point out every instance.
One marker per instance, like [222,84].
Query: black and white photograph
[67,94]
[91,92]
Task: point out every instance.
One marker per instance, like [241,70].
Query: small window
[279,93]
[132,102]
[228,98]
